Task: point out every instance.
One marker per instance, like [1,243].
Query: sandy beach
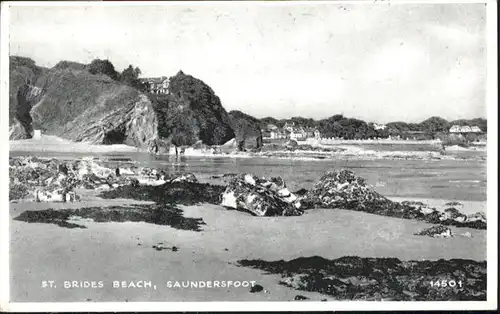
[123,251]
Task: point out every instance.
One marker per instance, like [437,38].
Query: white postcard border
[492,184]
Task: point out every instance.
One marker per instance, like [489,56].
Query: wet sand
[123,251]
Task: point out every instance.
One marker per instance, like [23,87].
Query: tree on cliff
[105,67]
[434,125]
[17,62]
[346,128]
[70,65]
[130,76]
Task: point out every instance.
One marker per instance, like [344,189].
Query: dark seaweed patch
[168,215]
[49,216]
[356,278]
[185,193]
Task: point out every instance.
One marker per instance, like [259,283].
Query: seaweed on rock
[343,189]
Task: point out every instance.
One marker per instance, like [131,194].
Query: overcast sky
[376,62]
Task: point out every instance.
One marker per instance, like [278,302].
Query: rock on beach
[343,189]
[260,196]
[436,232]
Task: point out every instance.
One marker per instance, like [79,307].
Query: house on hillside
[466,133]
[157,85]
[278,134]
[378,126]
[465,129]
[298,134]
[289,126]
[476,129]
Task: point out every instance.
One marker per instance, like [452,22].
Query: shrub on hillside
[130,77]
[16,62]
[70,65]
[105,67]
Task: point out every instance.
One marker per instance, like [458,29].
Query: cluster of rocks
[441,231]
[346,190]
[52,180]
[380,279]
[450,216]
[343,189]
[56,181]
[260,196]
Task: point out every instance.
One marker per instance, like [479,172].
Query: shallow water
[441,179]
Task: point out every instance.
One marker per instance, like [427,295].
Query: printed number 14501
[446,283]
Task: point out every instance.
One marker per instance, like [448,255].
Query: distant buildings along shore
[299,133]
[290,131]
[465,129]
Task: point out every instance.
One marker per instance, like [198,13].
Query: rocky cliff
[246,129]
[83,107]
[191,113]
[22,96]
[69,102]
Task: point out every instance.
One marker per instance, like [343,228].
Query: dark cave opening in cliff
[116,136]
[23,109]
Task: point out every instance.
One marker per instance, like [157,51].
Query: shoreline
[343,153]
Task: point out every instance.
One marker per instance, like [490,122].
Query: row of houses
[465,129]
[453,129]
[290,131]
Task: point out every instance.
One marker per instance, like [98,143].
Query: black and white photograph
[291,155]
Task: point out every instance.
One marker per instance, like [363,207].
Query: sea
[462,177]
